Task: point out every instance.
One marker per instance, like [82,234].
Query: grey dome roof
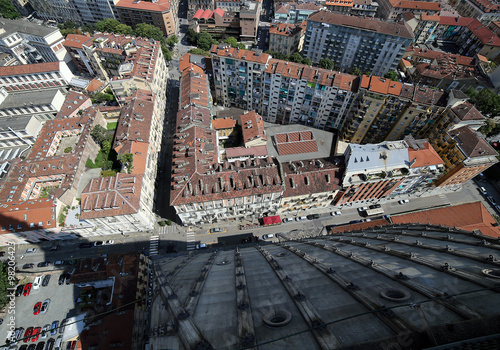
[401,286]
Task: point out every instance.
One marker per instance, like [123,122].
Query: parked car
[27,334]
[335,213]
[36,308]
[61,278]
[19,290]
[45,306]
[360,209]
[374,206]
[46,281]
[98,243]
[492,200]
[201,246]
[40,346]
[50,344]
[269,235]
[63,325]
[109,242]
[313,216]
[67,276]
[27,289]
[483,190]
[287,219]
[300,218]
[31,250]
[58,263]
[28,266]
[43,264]
[32,347]
[53,327]
[55,247]
[36,334]
[45,331]
[85,245]
[37,282]
[404,201]
[23,347]
[215,230]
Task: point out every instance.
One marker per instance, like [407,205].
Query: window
[19,226]
[48,222]
[25,217]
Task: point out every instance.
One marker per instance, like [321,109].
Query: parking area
[61,306]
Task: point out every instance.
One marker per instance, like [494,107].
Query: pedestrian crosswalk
[191,244]
[153,245]
[444,198]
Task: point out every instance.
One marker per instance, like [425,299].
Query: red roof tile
[157,6]
[295,143]
[469,216]
[94,85]
[29,69]
[223,123]
[306,177]
[225,50]
[76,40]
[252,127]
[424,156]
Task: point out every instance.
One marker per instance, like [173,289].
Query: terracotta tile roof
[157,6]
[225,50]
[285,29]
[252,127]
[308,6]
[471,143]
[37,211]
[198,14]
[359,226]
[76,40]
[219,12]
[223,123]
[184,62]
[424,156]
[135,120]
[253,152]
[381,85]
[416,5]
[467,111]
[306,177]
[193,115]
[312,74]
[374,25]
[483,33]
[194,88]
[74,101]
[432,18]
[24,69]
[344,3]
[295,143]
[469,216]
[94,85]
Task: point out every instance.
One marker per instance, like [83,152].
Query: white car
[287,219]
[30,250]
[301,218]
[37,282]
[404,201]
[45,331]
[362,209]
[109,242]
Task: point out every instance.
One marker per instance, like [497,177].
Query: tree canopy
[486,101]
[356,71]
[99,134]
[149,31]
[205,41]
[234,43]
[392,75]
[111,25]
[7,10]
[326,63]
[197,51]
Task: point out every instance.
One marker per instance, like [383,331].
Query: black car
[19,290]
[55,247]
[85,245]
[43,264]
[46,281]
[28,266]
[67,276]
[98,243]
[374,206]
[32,347]
[50,344]
[61,279]
[40,346]
[313,216]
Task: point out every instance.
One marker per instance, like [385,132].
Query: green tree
[307,61]
[486,101]
[68,25]
[7,10]
[102,97]
[234,43]
[192,36]
[392,75]
[279,55]
[98,133]
[149,31]
[88,28]
[205,41]
[296,57]
[197,51]
[113,26]
[4,285]
[172,40]
[356,71]
[488,127]
[65,32]
[326,63]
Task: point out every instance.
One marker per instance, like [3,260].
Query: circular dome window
[277,318]
[395,294]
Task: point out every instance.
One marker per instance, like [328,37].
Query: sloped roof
[471,143]
[295,143]
[94,85]
[466,111]
[226,50]
[24,69]
[76,40]
[223,123]
[156,6]
[424,156]
[468,216]
[252,127]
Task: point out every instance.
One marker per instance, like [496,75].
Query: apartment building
[30,43]
[362,8]
[296,93]
[373,171]
[391,9]
[124,202]
[235,73]
[28,77]
[249,19]
[57,10]
[159,13]
[227,5]
[218,23]
[47,180]
[286,38]
[282,92]
[291,12]
[465,155]
[389,110]
[205,190]
[74,104]
[349,41]
[423,26]
[308,185]
[96,10]
[485,11]
[195,5]
[74,46]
